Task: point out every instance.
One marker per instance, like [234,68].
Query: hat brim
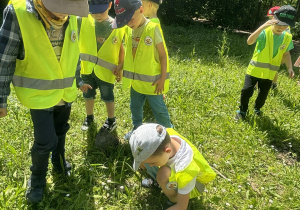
[122,20]
[78,8]
[99,8]
[136,165]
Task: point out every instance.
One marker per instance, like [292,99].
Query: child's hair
[166,141]
[155,5]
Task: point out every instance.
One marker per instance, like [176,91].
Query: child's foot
[240,115]
[110,126]
[274,86]
[258,113]
[147,183]
[87,123]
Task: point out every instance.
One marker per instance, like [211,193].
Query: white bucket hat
[70,7]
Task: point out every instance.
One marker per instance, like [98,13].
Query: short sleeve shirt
[278,39]
[103,30]
[136,35]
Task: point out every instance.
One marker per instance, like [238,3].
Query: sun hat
[124,10]
[70,7]
[272,10]
[285,15]
[144,141]
[98,6]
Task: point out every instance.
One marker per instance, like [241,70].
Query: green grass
[257,160]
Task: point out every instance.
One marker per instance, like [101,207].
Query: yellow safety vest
[107,57]
[198,167]
[143,70]
[40,81]
[262,64]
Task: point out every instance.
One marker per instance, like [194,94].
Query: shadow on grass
[278,137]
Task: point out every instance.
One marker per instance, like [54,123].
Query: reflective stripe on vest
[40,80]
[41,84]
[197,168]
[103,61]
[142,77]
[264,65]
[142,70]
[98,61]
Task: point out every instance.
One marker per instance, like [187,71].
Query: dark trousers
[50,128]
[264,86]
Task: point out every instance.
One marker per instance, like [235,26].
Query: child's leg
[247,92]
[89,96]
[162,177]
[89,106]
[159,110]
[275,78]
[264,86]
[137,102]
[107,95]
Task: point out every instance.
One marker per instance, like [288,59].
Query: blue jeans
[157,105]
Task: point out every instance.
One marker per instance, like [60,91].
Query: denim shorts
[106,89]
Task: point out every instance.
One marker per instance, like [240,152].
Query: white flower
[223,190]
[251,206]
[227,204]
[215,165]
[103,183]
[121,188]
[239,186]
[270,201]
[106,187]
[109,181]
[205,190]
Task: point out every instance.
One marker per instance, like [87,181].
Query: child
[270,14]
[101,52]
[146,63]
[273,44]
[150,9]
[183,170]
[40,61]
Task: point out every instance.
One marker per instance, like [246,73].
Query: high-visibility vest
[40,81]
[197,168]
[143,70]
[107,57]
[262,64]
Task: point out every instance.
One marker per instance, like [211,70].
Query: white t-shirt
[180,161]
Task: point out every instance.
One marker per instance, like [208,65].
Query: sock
[91,117]
[111,120]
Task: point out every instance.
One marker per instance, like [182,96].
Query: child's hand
[118,72]
[160,83]
[270,23]
[291,73]
[84,88]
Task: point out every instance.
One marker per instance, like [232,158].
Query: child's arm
[252,38]
[288,62]
[182,202]
[117,71]
[163,64]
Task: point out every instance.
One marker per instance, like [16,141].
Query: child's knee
[163,175]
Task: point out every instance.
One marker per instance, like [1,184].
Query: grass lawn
[257,160]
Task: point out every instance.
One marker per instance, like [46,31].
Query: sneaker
[128,135]
[86,124]
[34,195]
[147,183]
[240,115]
[258,113]
[274,86]
[110,126]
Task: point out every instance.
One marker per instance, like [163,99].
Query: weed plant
[257,160]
